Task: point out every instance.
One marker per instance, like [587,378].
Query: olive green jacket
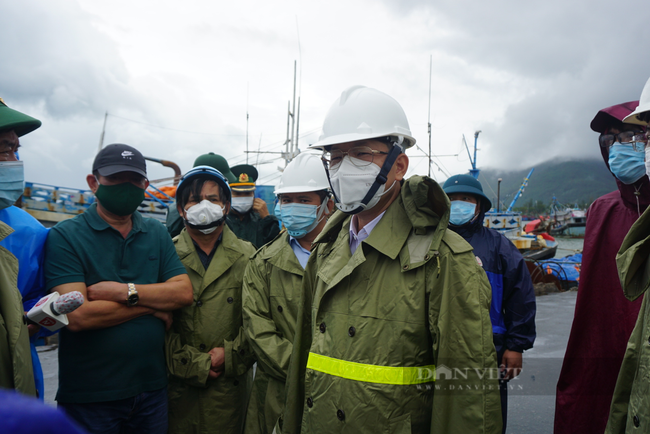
[271,291]
[198,404]
[630,409]
[410,306]
[253,228]
[15,354]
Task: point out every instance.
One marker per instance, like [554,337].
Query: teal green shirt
[124,360]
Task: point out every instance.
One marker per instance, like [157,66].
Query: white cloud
[530,75]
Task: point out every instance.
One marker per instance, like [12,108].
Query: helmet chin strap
[381,179]
[208,226]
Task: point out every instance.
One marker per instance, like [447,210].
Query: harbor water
[568,246]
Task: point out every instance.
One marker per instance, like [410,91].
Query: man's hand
[33,329]
[259,206]
[217,361]
[108,291]
[166,317]
[510,364]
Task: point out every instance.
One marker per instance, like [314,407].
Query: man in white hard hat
[630,402]
[272,284]
[393,304]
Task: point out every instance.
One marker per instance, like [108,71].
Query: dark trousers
[145,413]
[503,391]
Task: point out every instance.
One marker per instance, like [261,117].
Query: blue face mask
[461,212]
[627,164]
[299,219]
[12,182]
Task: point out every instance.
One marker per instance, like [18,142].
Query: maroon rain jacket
[603,319]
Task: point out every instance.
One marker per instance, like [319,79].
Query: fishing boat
[566,221]
[509,222]
[535,245]
[564,273]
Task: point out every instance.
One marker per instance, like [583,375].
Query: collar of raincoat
[423,204]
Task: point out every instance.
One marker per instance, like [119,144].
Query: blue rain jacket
[21,414]
[26,244]
[513,297]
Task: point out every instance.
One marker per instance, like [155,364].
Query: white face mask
[351,184]
[204,213]
[242,204]
[647,160]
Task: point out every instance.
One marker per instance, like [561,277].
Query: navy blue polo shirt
[124,360]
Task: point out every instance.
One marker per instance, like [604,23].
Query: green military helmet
[467,184]
[245,175]
[20,123]
[218,162]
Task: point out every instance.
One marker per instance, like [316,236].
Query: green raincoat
[630,409]
[198,404]
[15,354]
[271,291]
[410,306]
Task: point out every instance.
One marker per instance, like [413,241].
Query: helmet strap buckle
[380,180]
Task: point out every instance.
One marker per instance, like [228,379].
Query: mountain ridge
[572,182]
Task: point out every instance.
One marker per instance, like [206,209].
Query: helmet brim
[486,204]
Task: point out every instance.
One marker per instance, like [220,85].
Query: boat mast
[429,116]
[101,138]
[246,123]
[521,190]
[293,127]
[474,172]
[293,117]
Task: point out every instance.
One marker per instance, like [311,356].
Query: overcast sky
[177,78]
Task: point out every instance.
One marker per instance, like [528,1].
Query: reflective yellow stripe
[371,373]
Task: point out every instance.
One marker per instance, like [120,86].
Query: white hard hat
[304,173]
[643,107]
[362,113]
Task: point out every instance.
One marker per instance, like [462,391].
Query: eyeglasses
[636,139]
[359,156]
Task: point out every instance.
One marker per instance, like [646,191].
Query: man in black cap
[112,373]
[16,371]
[249,218]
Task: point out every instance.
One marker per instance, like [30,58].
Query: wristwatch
[132,296]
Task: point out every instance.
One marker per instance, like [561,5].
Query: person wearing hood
[250,219]
[272,284]
[208,356]
[513,297]
[604,318]
[629,411]
[393,304]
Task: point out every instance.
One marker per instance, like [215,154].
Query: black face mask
[120,199]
